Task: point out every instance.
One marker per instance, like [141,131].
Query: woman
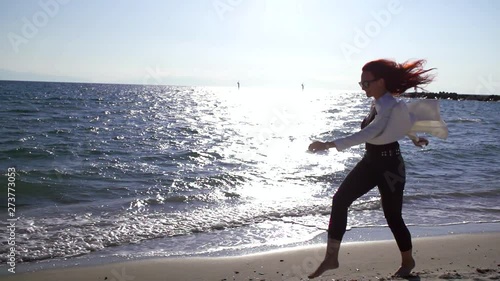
[382,164]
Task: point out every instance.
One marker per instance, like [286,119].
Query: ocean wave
[79,234]
[464,120]
[70,235]
[23,110]
[471,194]
[25,153]
[432,224]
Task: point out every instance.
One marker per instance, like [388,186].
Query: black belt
[385,150]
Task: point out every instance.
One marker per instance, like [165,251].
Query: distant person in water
[382,164]
[302,86]
[238,85]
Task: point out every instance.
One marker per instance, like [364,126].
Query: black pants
[386,172]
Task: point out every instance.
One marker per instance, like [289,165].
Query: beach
[174,178]
[451,257]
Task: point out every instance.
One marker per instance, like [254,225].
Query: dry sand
[455,257]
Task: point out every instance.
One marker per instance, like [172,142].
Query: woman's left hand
[421,142]
[317,146]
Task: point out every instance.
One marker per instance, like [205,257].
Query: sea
[107,172]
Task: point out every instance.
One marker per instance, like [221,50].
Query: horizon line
[213,86]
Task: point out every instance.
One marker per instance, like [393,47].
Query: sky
[261,43]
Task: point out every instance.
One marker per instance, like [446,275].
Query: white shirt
[384,106]
[395,120]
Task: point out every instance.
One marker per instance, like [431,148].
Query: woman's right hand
[317,146]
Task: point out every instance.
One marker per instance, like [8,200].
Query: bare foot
[405,269]
[327,264]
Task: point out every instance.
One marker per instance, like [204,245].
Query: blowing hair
[400,77]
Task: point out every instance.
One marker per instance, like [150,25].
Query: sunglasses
[365,84]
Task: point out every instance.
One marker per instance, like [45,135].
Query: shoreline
[460,256]
[353,235]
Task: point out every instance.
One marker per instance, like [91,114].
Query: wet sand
[453,257]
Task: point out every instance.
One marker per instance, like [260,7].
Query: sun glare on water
[269,131]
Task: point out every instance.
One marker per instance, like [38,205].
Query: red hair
[400,77]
